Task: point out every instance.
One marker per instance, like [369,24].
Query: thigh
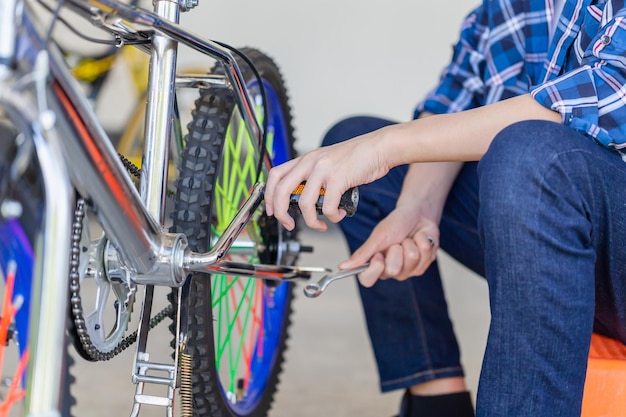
[552,224]
[569,191]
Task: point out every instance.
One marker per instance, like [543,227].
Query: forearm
[463,136]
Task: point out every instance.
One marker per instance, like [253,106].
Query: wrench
[315,289]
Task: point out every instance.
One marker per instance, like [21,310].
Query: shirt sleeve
[592,97]
[461,79]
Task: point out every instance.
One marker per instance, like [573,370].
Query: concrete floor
[329,370]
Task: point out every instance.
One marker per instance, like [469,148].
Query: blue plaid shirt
[506,49]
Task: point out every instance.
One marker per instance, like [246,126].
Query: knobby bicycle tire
[17,237]
[216,172]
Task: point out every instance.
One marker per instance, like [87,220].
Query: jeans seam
[430,372]
[421,330]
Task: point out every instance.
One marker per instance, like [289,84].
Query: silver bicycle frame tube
[100,177]
[51,268]
[174,31]
[157,139]
[159,114]
[50,296]
[8,35]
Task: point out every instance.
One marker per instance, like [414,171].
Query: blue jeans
[542,217]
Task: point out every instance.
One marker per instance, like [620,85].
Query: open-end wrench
[315,289]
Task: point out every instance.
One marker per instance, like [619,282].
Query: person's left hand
[402,245]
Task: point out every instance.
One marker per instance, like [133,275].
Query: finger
[330,207]
[428,248]
[427,242]
[282,196]
[393,261]
[374,244]
[273,179]
[369,277]
[411,258]
[307,204]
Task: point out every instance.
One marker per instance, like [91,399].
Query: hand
[334,168]
[402,245]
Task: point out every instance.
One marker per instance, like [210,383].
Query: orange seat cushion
[605,387]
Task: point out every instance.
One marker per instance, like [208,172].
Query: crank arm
[199,262]
[213,261]
[269,272]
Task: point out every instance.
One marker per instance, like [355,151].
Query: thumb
[369,277]
[363,254]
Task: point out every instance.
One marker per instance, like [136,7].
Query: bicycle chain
[130,167]
[75,299]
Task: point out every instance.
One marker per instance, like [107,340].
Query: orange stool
[605,387]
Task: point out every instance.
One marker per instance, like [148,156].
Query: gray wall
[338,57]
[341,57]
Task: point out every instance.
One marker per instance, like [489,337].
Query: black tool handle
[349,200]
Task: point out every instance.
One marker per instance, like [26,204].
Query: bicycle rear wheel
[237,327]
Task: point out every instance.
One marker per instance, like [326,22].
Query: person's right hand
[402,245]
[335,168]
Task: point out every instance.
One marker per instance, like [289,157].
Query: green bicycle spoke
[237,305]
[230,326]
[214,281]
[244,326]
[233,188]
[223,293]
[219,326]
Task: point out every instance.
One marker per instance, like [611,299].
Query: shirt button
[605,40]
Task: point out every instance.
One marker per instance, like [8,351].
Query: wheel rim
[248,314]
[15,246]
[16,263]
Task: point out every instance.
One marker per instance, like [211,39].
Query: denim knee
[515,163]
[352,127]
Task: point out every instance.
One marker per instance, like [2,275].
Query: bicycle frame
[95,169]
[75,153]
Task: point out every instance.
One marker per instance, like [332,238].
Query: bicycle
[60,175]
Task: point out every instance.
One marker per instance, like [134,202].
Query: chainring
[98,337]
